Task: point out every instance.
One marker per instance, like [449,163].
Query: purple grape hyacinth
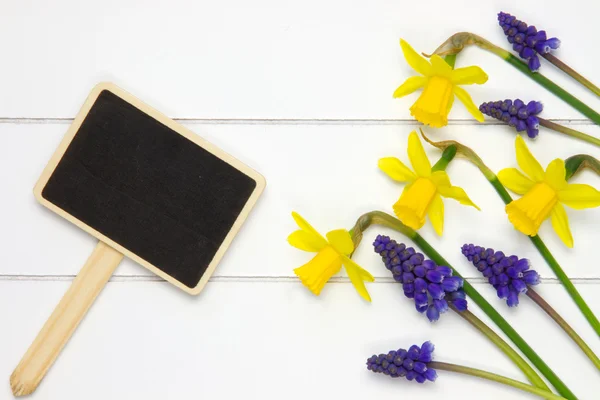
[411,364]
[510,275]
[526,40]
[431,286]
[521,116]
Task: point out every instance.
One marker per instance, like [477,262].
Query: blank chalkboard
[148,187]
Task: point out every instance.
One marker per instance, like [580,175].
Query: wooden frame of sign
[51,166]
[108,253]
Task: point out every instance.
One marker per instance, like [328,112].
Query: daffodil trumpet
[457,42]
[575,163]
[383,219]
[441,83]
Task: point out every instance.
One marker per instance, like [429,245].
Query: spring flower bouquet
[423,276]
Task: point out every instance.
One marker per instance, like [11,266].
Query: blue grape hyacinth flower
[510,275]
[526,39]
[411,364]
[431,286]
[521,116]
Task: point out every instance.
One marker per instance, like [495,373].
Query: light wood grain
[64,320]
[72,131]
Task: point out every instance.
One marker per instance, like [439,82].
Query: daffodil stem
[381,218]
[572,73]
[539,300]
[531,375]
[562,276]
[574,164]
[554,265]
[442,366]
[457,42]
[451,60]
[554,88]
[447,156]
[499,321]
[570,132]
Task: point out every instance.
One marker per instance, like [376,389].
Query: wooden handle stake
[64,320]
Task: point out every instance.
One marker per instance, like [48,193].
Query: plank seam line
[285,121]
[249,279]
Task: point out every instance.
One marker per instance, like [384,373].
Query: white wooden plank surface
[301,91]
[268,340]
[266,58]
[328,173]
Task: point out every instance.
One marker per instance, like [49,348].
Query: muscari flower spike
[332,253]
[422,196]
[526,40]
[510,275]
[521,116]
[431,286]
[440,85]
[411,364]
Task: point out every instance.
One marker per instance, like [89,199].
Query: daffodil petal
[468,76]
[579,196]
[415,60]
[306,241]
[466,99]
[456,193]
[396,169]
[341,241]
[450,104]
[410,85]
[436,214]
[514,180]
[304,225]
[527,162]
[555,175]
[440,66]
[358,276]
[441,178]
[560,223]
[417,156]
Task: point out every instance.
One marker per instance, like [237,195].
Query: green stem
[562,276]
[529,372]
[570,132]
[533,295]
[537,241]
[554,88]
[457,42]
[381,218]
[493,377]
[572,73]
[451,60]
[447,156]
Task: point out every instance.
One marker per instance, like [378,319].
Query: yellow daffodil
[423,195]
[544,194]
[441,84]
[332,253]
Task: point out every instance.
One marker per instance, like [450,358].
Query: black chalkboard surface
[166,199]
